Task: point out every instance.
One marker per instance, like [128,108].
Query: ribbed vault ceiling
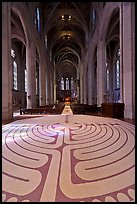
[66,25]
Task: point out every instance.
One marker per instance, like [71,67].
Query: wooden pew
[53,109]
[83,108]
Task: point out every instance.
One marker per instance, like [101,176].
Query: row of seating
[58,108]
[83,108]
[47,109]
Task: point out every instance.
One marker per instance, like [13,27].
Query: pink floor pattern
[68,158]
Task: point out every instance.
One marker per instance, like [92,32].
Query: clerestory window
[37,19]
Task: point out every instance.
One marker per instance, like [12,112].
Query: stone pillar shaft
[121,52]
[85,85]
[128,58]
[6,62]
[91,82]
[55,86]
[47,87]
[81,84]
[101,68]
[31,75]
[51,87]
[42,84]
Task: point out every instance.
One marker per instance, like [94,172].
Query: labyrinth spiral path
[70,158]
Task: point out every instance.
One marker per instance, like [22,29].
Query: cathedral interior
[68,101]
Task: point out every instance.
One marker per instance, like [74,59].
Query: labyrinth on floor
[70,158]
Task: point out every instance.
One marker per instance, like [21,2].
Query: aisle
[67,110]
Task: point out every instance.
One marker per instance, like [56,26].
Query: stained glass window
[107,77]
[62,83]
[13,53]
[37,19]
[25,80]
[72,83]
[117,76]
[94,18]
[15,75]
[67,84]
[14,68]
[37,81]
[117,69]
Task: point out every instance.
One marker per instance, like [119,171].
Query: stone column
[47,86]
[85,85]
[91,80]
[133,43]
[101,74]
[78,84]
[7,112]
[51,86]
[47,97]
[109,64]
[121,51]
[31,76]
[81,84]
[42,85]
[84,94]
[22,82]
[128,58]
[93,83]
[55,86]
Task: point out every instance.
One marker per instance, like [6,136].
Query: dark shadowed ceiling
[66,25]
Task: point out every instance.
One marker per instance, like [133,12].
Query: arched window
[72,83]
[15,75]
[107,77]
[67,84]
[37,80]
[117,69]
[46,41]
[14,68]
[13,55]
[37,19]
[25,80]
[62,83]
[117,76]
[94,18]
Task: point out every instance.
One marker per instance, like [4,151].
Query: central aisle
[67,110]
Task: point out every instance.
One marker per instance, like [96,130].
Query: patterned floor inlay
[68,158]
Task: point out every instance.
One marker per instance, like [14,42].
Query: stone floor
[68,158]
